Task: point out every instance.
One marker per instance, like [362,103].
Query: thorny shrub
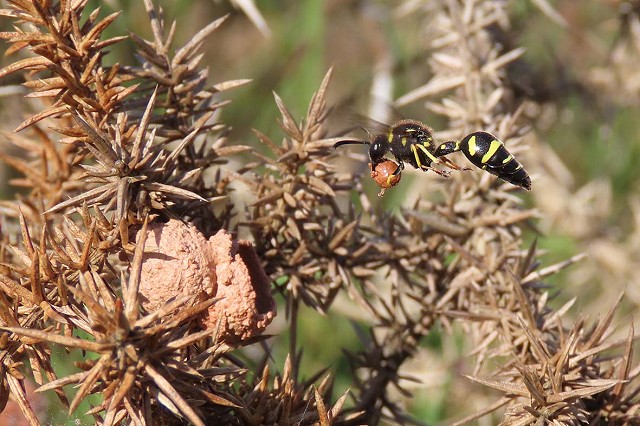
[116,147]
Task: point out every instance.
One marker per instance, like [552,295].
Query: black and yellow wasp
[412,142]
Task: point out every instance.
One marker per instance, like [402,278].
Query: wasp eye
[378,149]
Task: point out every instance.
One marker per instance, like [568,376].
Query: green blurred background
[585,118]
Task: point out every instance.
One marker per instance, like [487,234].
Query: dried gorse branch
[122,154]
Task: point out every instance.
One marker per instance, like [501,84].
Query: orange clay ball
[383,175]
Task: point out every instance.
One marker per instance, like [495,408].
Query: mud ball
[383,175]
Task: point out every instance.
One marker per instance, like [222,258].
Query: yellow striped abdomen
[489,153]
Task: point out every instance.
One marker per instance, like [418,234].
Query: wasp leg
[442,173]
[447,148]
[432,159]
[398,170]
[453,165]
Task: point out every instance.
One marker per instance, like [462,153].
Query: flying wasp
[412,142]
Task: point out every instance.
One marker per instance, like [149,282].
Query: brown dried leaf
[590,388]
[196,41]
[506,387]
[288,124]
[230,84]
[49,112]
[174,191]
[17,390]
[94,196]
[174,396]
[71,342]
[37,63]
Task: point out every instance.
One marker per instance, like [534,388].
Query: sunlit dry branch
[114,156]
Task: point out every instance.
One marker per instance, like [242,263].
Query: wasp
[410,141]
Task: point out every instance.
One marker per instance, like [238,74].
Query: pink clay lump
[178,260]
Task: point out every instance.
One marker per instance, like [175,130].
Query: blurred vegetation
[570,80]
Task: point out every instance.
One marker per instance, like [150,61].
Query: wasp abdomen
[489,153]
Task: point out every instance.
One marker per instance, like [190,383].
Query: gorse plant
[116,152]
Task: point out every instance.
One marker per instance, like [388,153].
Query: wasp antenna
[350,142]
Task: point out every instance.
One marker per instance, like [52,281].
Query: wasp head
[378,149]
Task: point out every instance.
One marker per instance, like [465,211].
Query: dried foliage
[123,150]
[115,147]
